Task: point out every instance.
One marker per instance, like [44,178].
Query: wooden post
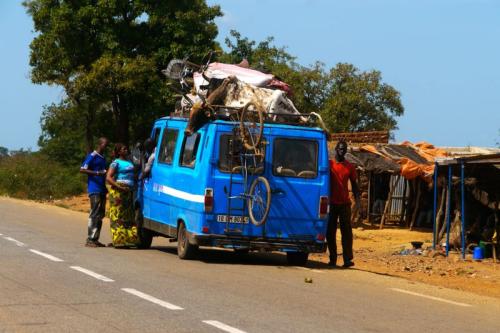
[387,204]
[411,199]
[368,208]
[440,212]
[404,203]
[447,209]
[495,241]
[417,205]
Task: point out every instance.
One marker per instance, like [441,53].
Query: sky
[443,56]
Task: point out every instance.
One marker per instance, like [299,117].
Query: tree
[358,101]
[107,55]
[62,137]
[4,152]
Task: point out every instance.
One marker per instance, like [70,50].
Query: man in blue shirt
[94,167]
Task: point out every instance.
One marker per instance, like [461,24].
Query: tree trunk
[121,116]
[89,137]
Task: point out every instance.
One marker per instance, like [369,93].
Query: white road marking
[18,243]
[46,255]
[309,269]
[93,274]
[152,299]
[430,297]
[223,326]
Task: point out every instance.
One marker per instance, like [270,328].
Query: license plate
[232,219]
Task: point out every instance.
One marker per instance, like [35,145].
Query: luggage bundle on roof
[218,90]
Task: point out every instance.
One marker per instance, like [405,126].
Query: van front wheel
[185,250]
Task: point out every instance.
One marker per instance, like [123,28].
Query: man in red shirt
[341,171]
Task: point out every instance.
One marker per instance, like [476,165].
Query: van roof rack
[313,119]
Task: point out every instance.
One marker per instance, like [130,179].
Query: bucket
[478,253]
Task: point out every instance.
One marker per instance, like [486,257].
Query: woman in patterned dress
[121,177]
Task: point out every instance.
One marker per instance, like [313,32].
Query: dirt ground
[380,251]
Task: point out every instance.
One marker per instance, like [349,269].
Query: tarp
[251,76]
[409,160]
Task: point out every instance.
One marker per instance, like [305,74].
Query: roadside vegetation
[35,176]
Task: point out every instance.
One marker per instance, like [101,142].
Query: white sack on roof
[219,70]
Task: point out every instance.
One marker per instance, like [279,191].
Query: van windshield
[230,148]
[295,158]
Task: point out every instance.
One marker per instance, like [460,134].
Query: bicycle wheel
[259,201]
[251,125]
[174,69]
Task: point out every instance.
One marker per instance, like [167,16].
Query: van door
[156,200]
[297,182]
[145,188]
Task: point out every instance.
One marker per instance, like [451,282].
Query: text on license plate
[232,219]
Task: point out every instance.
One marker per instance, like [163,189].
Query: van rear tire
[145,236]
[297,258]
[185,250]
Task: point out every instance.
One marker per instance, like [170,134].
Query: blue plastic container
[478,253]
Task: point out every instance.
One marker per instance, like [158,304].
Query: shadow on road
[231,257]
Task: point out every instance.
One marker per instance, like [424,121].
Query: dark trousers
[342,213]
[97,210]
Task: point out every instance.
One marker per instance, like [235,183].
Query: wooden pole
[368,208]
[417,206]
[440,212]
[387,204]
[446,212]
[495,241]
[404,203]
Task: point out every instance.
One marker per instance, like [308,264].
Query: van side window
[295,158]
[230,148]
[156,135]
[189,150]
[167,147]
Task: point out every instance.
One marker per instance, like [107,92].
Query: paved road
[49,282]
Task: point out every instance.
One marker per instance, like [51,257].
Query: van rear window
[189,150]
[230,148]
[295,158]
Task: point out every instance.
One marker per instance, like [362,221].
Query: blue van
[192,191]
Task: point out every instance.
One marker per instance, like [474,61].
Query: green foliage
[4,152]
[107,55]
[62,138]
[34,176]
[359,101]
